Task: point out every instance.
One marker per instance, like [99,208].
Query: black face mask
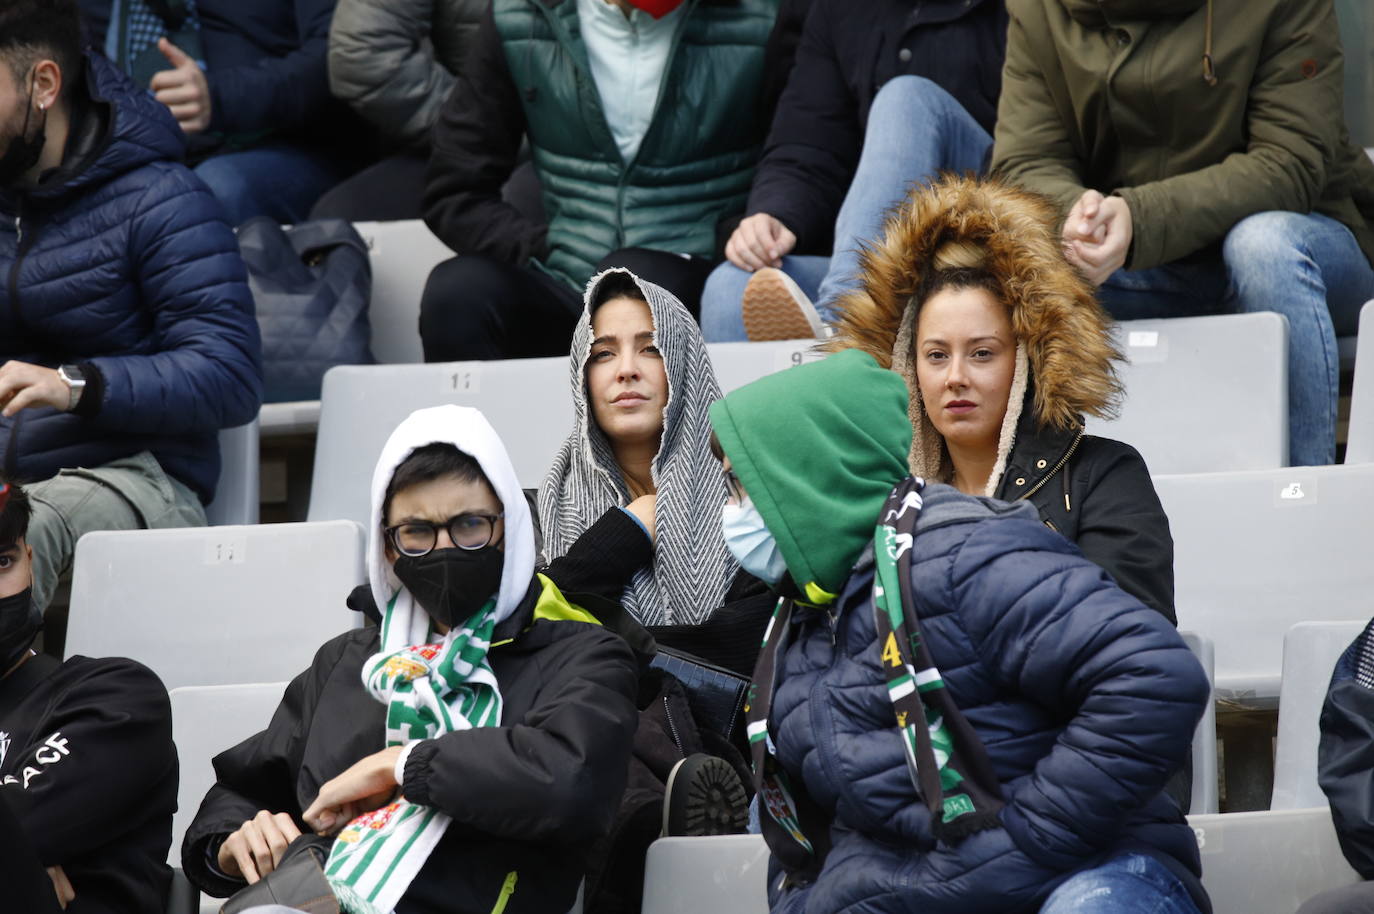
[452,584]
[24,151]
[20,621]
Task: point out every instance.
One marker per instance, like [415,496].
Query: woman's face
[965,358]
[626,382]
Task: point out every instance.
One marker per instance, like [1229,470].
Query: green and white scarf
[429,690]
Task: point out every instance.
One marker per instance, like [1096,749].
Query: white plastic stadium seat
[723,875]
[1310,651]
[1204,798]
[1257,552]
[206,720]
[1269,862]
[215,605]
[236,494]
[403,254]
[1359,445]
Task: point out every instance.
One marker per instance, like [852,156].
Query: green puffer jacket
[1111,94]
[696,162]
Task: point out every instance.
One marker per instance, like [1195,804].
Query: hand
[1097,235]
[759,241]
[368,784]
[26,386]
[62,885]
[257,847]
[644,508]
[182,89]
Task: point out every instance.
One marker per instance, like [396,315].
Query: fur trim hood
[1065,349]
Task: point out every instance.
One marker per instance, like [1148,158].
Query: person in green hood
[953,710]
[1199,154]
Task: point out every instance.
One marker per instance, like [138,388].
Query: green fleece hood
[818,448]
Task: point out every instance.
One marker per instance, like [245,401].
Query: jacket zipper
[11,461]
[1057,467]
[507,890]
[672,727]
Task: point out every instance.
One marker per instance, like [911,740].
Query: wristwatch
[75,380]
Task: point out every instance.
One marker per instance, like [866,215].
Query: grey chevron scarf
[692,568]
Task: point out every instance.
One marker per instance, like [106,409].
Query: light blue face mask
[748,539]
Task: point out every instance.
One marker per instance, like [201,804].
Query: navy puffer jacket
[120,259]
[1085,699]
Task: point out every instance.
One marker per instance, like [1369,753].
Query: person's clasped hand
[183,89]
[1097,235]
[257,847]
[759,241]
[368,784]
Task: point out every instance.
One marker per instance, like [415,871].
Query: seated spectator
[640,122]
[393,64]
[627,510]
[1004,349]
[968,715]
[874,103]
[484,768]
[1212,172]
[127,337]
[250,89]
[1345,769]
[88,772]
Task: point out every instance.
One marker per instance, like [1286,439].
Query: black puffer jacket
[1345,755]
[1097,493]
[528,797]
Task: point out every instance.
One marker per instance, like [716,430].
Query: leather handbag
[298,882]
[311,284]
[715,694]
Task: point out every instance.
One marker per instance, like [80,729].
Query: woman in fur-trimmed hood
[968,291]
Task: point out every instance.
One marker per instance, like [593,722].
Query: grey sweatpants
[132,493]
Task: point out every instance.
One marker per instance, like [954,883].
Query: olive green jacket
[1112,95]
[695,164]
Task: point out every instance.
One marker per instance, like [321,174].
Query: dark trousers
[394,189]
[475,308]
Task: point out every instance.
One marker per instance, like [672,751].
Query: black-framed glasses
[467,531]
[733,489]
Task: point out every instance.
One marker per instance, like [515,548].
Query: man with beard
[127,337]
[88,772]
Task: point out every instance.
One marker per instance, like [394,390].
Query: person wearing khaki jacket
[1198,151]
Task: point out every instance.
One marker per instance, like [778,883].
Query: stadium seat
[214,605]
[236,494]
[206,720]
[1359,445]
[403,254]
[527,401]
[1204,798]
[722,875]
[182,897]
[1269,862]
[1310,651]
[1256,552]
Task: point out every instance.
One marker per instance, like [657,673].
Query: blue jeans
[277,180]
[1129,884]
[1308,268]
[915,130]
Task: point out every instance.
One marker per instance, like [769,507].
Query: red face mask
[656,8]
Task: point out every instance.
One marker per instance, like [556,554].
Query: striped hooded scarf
[692,569]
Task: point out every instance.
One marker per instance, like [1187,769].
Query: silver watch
[76,381]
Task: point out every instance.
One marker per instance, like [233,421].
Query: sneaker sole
[704,797]
[775,308]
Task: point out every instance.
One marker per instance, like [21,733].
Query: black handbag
[311,284]
[715,694]
[298,882]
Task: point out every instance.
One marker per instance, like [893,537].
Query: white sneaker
[775,308]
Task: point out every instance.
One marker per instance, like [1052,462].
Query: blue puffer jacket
[1085,699]
[120,259]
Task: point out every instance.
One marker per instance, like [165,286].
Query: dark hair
[14,517]
[34,30]
[429,462]
[617,284]
[957,278]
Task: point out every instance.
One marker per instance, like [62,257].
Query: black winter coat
[529,796]
[1345,758]
[845,56]
[88,776]
[1097,492]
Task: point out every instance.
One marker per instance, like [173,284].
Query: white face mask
[748,539]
